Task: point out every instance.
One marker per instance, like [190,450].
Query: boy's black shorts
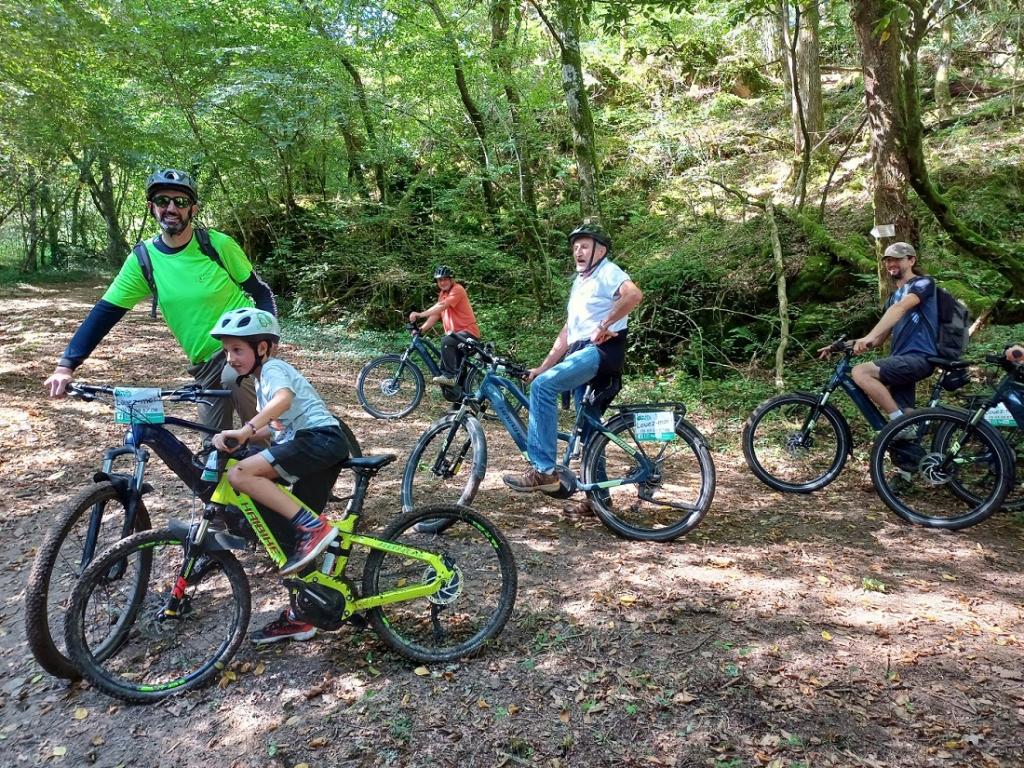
[310,451]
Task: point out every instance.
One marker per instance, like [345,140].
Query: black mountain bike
[950,468]
[799,442]
[391,386]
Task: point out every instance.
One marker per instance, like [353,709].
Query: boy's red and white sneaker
[284,627]
[311,542]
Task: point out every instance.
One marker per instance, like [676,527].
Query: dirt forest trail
[783,631]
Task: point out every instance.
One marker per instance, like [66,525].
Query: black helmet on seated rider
[596,233]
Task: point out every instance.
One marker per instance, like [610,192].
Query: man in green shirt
[193,291]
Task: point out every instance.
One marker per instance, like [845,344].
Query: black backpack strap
[146,266]
[203,236]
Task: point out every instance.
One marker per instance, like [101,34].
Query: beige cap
[899,251]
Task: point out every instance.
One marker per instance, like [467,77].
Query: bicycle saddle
[369,462]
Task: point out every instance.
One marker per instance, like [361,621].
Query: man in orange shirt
[456,317]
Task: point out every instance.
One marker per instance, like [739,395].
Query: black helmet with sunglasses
[169,178]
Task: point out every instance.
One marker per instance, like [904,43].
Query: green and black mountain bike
[113,506]
[164,611]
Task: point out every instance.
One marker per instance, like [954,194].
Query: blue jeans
[570,374]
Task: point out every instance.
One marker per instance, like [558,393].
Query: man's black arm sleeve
[261,294]
[96,325]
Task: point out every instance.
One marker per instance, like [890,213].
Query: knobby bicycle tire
[923,483]
[156,656]
[667,506]
[400,389]
[465,613]
[438,475]
[786,458]
[58,564]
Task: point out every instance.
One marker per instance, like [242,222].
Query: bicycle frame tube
[428,353]
[172,451]
[226,495]
[841,378]
[491,391]
[645,465]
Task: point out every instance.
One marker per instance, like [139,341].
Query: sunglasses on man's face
[180,202]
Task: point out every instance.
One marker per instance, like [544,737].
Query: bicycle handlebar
[188,393]
[841,345]
[486,353]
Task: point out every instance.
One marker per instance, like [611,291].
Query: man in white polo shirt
[593,339]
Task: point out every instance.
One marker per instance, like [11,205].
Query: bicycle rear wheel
[447,465]
[62,557]
[389,387]
[788,453]
[668,503]
[466,612]
[150,654]
[933,468]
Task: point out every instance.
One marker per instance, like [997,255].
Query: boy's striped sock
[306,518]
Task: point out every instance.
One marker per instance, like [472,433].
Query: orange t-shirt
[458,315]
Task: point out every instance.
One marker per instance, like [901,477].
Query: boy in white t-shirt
[593,339]
[306,439]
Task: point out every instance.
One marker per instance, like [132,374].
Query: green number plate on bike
[999,416]
[655,425]
[138,405]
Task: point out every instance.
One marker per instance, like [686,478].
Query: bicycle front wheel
[468,610]
[933,468]
[389,387]
[446,465]
[789,453]
[92,521]
[668,501]
[152,654]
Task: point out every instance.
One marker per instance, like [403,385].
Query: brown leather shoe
[532,480]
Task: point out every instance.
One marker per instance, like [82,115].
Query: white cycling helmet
[247,323]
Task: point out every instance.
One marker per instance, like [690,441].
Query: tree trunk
[473,113]
[49,208]
[31,263]
[880,60]
[580,117]
[371,134]
[102,194]
[527,208]
[945,58]
[1009,262]
[809,72]
[780,287]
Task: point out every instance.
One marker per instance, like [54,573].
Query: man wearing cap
[910,316]
[593,339]
[193,292]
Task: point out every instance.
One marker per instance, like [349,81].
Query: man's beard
[175,226]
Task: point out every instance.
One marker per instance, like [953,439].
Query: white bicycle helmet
[247,323]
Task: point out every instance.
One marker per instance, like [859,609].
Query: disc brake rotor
[450,590]
[798,443]
[390,387]
[932,471]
